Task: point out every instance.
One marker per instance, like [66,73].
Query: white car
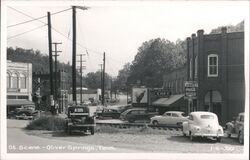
[171,118]
[203,124]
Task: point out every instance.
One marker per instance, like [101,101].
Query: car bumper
[207,135]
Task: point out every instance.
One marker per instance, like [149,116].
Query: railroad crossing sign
[191,90]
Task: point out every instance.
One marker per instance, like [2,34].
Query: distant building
[216,63]
[41,86]
[93,95]
[19,85]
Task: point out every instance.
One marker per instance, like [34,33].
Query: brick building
[216,63]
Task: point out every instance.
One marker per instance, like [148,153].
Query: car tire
[92,130]
[218,139]
[228,135]
[155,123]
[241,138]
[179,124]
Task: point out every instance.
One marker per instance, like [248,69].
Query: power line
[33,19]
[25,32]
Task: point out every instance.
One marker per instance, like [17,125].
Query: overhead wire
[25,32]
[33,19]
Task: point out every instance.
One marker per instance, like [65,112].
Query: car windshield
[207,117]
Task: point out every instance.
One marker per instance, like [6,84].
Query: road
[20,142]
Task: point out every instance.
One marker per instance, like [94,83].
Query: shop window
[22,81]
[14,81]
[212,65]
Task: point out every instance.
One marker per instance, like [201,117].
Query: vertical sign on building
[190,93]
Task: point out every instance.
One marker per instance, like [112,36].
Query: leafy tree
[155,58]
[230,28]
[93,80]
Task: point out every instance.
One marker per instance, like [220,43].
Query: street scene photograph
[128,77]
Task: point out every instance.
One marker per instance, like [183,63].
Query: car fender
[185,127]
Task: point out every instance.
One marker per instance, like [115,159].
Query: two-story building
[19,85]
[216,63]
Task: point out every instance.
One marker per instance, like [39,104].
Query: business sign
[191,89]
[160,93]
[139,95]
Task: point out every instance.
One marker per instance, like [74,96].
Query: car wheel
[241,138]
[179,124]
[218,139]
[92,130]
[191,137]
[155,123]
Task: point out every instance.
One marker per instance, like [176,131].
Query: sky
[116,28]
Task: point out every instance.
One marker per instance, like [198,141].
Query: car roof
[174,112]
[241,114]
[202,113]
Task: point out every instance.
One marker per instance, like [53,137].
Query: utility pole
[103,80]
[56,83]
[81,67]
[74,55]
[111,89]
[50,61]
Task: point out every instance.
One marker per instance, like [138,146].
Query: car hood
[155,117]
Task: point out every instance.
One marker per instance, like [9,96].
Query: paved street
[126,141]
[20,142]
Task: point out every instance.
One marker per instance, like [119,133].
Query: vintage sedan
[236,127]
[203,124]
[108,113]
[170,118]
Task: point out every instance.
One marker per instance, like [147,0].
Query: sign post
[190,93]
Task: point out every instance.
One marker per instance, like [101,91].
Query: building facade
[41,86]
[216,63]
[19,85]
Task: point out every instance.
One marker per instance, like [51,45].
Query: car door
[165,119]
[174,119]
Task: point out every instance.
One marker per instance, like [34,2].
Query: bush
[50,123]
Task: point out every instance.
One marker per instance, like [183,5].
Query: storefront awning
[166,102]
[18,102]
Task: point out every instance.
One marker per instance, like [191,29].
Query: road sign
[191,89]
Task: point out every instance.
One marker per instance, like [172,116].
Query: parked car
[202,124]
[26,114]
[137,114]
[108,113]
[79,119]
[171,118]
[236,127]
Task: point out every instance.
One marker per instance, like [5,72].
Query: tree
[230,28]
[155,58]
[93,80]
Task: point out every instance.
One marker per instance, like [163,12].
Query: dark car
[137,114]
[236,128]
[79,119]
[108,113]
[26,114]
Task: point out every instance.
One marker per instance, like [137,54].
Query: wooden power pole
[103,80]
[50,60]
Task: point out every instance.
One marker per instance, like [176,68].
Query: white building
[19,85]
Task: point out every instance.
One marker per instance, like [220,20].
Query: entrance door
[213,104]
